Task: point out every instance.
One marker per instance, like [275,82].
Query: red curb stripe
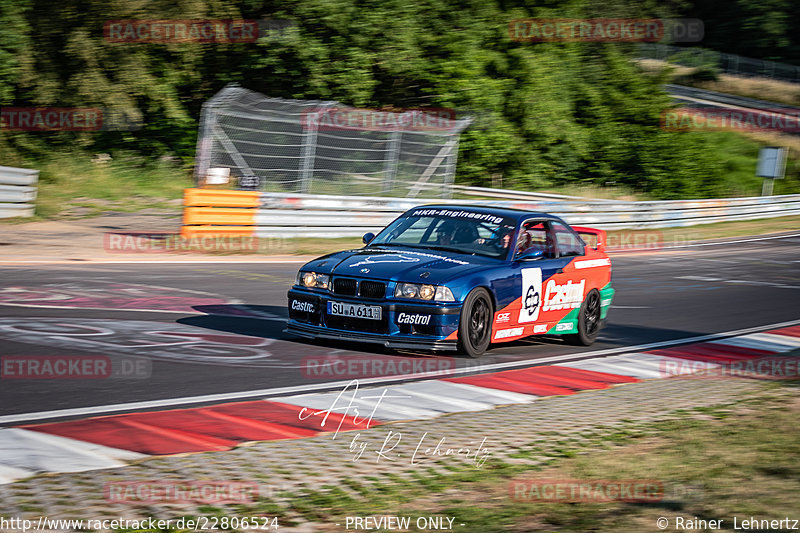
[493,381]
[214,428]
[588,374]
[116,432]
[791,331]
[720,354]
[289,415]
[530,375]
[733,350]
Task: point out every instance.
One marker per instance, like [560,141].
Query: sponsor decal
[540,328]
[298,305]
[440,257]
[604,303]
[510,332]
[413,318]
[503,317]
[565,326]
[531,294]
[567,296]
[458,214]
[385,258]
[592,263]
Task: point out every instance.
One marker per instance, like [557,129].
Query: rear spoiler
[595,235]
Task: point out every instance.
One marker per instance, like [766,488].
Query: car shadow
[269,322]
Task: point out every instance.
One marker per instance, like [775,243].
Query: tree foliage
[548,113]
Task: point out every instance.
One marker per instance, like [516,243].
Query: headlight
[443,294]
[313,280]
[423,292]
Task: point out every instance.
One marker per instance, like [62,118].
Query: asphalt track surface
[217,329]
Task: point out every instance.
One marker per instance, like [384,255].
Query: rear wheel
[588,321]
[475,326]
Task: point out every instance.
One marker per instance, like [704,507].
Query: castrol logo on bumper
[567,296]
[414,319]
[299,305]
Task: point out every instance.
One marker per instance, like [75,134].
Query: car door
[564,291]
[523,314]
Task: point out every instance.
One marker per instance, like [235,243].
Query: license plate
[371,312]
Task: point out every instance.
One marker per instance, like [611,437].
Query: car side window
[534,234]
[569,244]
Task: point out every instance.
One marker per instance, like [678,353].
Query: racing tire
[475,324]
[589,322]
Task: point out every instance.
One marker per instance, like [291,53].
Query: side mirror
[531,254]
[367,238]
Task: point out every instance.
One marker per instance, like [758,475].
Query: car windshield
[456,230]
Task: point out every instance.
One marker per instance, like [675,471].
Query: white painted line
[278,391]
[756,344]
[367,401]
[610,366]
[769,338]
[438,401]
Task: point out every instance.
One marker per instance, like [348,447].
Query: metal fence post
[307,160]
[392,158]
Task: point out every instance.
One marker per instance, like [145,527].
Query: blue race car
[445,277]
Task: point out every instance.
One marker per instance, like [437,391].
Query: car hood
[399,264]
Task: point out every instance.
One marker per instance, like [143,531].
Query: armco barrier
[261,214]
[17,191]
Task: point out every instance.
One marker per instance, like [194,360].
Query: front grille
[372,289]
[344,286]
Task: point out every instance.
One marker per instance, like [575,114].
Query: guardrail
[223,212]
[17,191]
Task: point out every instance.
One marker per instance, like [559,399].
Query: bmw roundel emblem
[365,271]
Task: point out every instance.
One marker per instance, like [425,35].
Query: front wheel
[475,325]
[588,321]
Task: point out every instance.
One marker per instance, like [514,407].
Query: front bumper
[403,324]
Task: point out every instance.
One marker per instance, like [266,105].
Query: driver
[452,232]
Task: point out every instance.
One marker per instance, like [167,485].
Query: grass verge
[738,460]
[72,185]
